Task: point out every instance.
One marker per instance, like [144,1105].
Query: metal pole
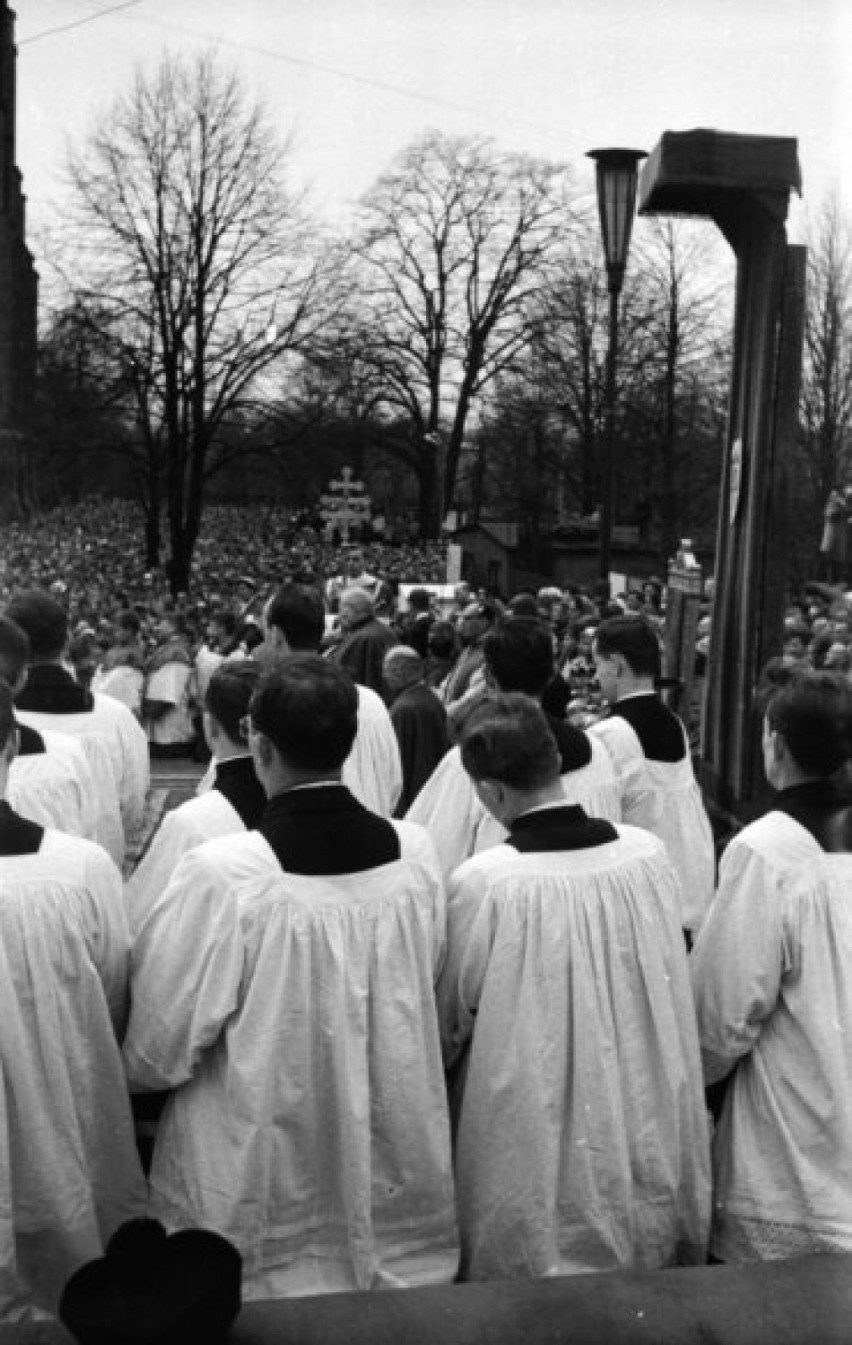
[608,454]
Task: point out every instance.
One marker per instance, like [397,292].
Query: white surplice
[198,820]
[772,977]
[664,797]
[295,1018]
[55,787]
[68,1127]
[117,752]
[582,1138]
[461,826]
[373,769]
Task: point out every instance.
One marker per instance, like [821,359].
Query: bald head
[402,667]
[356,606]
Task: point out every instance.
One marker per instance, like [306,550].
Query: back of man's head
[14,651]
[229,694]
[812,711]
[308,709]
[44,621]
[519,655]
[508,739]
[356,605]
[298,611]
[634,638]
[403,667]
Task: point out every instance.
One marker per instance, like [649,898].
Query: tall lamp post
[617,172]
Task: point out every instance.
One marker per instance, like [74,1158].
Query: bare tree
[826,396]
[453,245]
[193,262]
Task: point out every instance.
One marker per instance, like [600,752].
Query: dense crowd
[439,974]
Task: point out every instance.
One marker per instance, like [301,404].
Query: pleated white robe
[117,751]
[295,1018]
[582,1139]
[772,976]
[200,819]
[55,788]
[67,1129]
[460,825]
[664,798]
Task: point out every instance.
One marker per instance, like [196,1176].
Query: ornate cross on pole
[347,504]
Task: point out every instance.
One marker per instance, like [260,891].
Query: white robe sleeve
[448,807]
[107,934]
[135,769]
[373,769]
[469,940]
[185,976]
[737,962]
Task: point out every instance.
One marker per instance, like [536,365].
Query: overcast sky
[357,80]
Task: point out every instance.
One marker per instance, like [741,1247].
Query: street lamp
[617,172]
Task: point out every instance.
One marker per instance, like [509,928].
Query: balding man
[365,641]
[419,721]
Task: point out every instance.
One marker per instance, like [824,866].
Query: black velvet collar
[30,743]
[237,782]
[565,827]
[326,831]
[52,690]
[659,731]
[18,836]
[822,807]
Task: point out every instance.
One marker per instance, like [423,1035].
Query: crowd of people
[438,975]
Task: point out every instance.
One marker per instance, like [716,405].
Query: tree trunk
[430,511]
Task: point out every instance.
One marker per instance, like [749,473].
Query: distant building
[18,294]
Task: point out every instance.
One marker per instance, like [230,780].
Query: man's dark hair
[229,694]
[44,621]
[508,738]
[308,708]
[519,654]
[224,617]
[14,650]
[443,641]
[419,600]
[813,713]
[634,638]
[128,622]
[299,612]
[7,713]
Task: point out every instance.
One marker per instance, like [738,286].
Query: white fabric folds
[461,826]
[295,1018]
[582,1138]
[773,992]
[67,1128]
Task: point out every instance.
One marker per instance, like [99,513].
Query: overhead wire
[77,23]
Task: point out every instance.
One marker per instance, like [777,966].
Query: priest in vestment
[283,986]
[518,657]
[772,976]
[234,803]
[111,737]
[650,749]
[72,1175]
[568,1026]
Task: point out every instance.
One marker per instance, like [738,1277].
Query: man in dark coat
[419,720]
[365,641]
